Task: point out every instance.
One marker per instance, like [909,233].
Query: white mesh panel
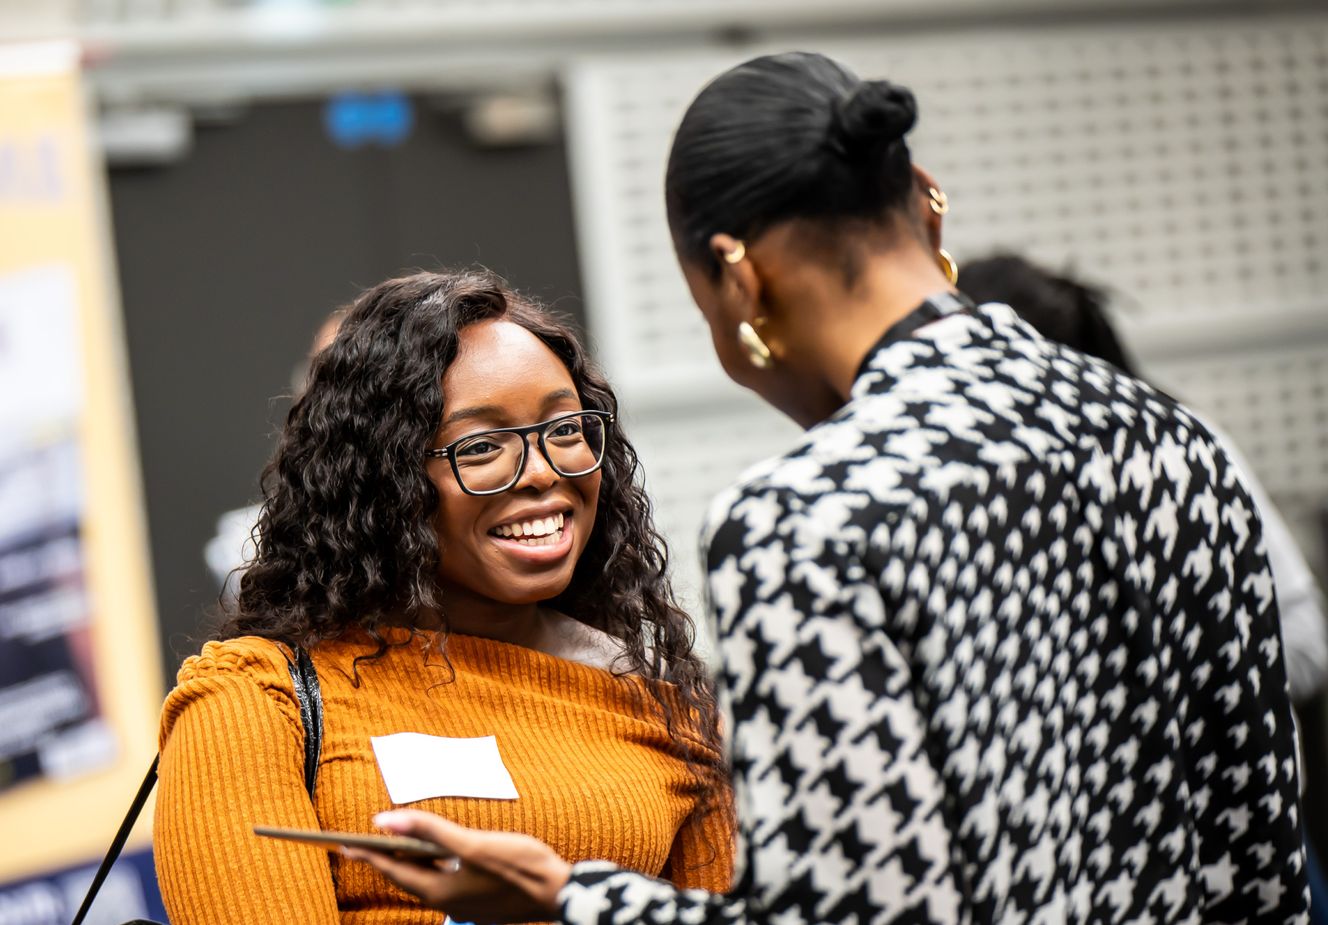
[1187,165]
[692,453]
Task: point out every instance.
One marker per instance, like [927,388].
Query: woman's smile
[536,539]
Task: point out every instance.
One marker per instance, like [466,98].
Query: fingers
[455,839]
[423,881]
[522,861]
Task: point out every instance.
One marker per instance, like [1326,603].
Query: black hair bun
[873,114]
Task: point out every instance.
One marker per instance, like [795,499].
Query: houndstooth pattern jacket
[999,644]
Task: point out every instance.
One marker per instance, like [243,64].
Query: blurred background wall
[264,159]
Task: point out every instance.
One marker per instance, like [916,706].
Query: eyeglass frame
[449,452]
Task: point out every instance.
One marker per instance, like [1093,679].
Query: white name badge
[417,767]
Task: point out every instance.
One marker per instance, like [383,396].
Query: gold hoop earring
[940,203]
[736,255]
[948,265]
[758,352]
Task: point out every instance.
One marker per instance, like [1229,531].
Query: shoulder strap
[117,843]
[310,698]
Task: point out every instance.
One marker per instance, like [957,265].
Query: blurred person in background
[1073,313]
[232,546]
[980,664]
[453,530]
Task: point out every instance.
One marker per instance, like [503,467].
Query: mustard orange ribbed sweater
[594,777]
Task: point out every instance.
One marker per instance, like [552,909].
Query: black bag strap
[308,694]
[310,697]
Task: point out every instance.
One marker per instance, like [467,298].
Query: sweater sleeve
[232,757]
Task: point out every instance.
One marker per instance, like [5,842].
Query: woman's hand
[494,877]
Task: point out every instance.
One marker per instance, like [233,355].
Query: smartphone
[397,845]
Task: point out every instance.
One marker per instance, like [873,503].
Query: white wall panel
[693,452]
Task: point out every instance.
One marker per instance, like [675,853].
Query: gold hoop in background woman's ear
[948,265]
[758,352]
[736,255]
[940,203]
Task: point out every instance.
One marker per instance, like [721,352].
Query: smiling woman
[454,531]
[502,545]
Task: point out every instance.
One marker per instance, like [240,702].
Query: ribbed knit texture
[590,760]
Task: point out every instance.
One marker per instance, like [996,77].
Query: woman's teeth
[544,531]
[549,540]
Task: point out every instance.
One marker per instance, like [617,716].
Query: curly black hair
[346,537]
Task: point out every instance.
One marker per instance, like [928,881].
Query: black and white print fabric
[999,644]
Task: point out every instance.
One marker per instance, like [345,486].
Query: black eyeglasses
[491,462]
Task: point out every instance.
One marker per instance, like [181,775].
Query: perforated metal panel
[1185,164]
[693,452]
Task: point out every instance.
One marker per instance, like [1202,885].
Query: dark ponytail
[1061,308]
[787,136]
